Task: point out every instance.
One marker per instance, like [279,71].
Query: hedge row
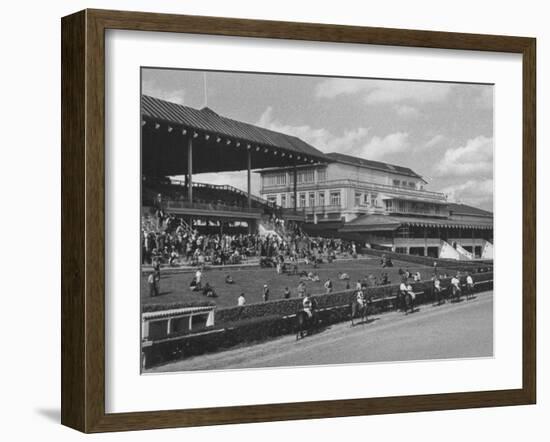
[333,308]
[287,307]
[428,261]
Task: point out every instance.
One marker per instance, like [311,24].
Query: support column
[248,180]
[295,188]
[425,241]
[190,168]
[473,243]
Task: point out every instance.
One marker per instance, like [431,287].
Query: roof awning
[369,228]
[377,223]
[219,144]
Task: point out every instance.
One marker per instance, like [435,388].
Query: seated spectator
[195,286]
[343,276]
[209,291]
[229,279]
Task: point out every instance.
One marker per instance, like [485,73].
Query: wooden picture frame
[83,220]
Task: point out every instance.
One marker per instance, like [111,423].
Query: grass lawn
[175,287]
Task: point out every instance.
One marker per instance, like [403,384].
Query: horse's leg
[352,313]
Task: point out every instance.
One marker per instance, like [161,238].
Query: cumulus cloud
[406,111]
[477,193]
[384,91]
[357,141]
[475,158]
[151,88]
[484,98]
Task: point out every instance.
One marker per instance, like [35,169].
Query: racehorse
[305,322]
[410,303]
[455,293]
[360,310]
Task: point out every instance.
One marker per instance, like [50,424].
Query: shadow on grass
[368,321]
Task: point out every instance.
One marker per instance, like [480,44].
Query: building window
[396,183]
[292,201]
[373,199]
[322,199]
[335,199]
[311,199]
[321,175]
[357,199]
[366,199]
[412,185]
[302,200]
[404,183]
[283,200]
[389,205]
[275,179]
[306,176]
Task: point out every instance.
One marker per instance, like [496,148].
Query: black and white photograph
[292,220]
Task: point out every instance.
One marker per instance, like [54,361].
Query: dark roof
[378,165]
[365,223]
[463,209]
[208,121]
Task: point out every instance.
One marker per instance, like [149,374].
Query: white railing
[403,191]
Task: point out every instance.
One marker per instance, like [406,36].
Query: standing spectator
[241,300]
[437,291]
[198,276]
[301,289]
[469,286]
[153,285]
[328,286]
[265,293]
[286,293]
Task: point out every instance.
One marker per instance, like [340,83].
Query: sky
[442,131]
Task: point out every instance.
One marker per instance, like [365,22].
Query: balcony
[359,185]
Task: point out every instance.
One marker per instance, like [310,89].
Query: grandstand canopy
[219,144]
[370,223]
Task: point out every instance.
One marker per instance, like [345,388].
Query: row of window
[399,183]
[303,177]
[412,207]
[313,199]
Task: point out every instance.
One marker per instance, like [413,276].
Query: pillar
[190,168]
[248,177]
[295,188]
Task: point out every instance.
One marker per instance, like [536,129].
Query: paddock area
[174,287]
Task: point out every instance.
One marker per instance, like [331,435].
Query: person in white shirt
[241,300]
[307,305]
[437,291]
[198,276]
[455,286]
[469,286]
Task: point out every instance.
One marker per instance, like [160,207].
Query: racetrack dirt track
[460,330]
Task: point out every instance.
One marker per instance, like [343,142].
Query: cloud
[478,193]
[406,111]
[379,147]
[435,141]
[151,88]
[357,141]
[475,158]
[384,91]
[484,99]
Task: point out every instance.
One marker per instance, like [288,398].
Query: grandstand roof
[219,143]
[377,165]
[369,223]
[463,209]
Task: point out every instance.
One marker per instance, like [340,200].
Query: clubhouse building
[383,205]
